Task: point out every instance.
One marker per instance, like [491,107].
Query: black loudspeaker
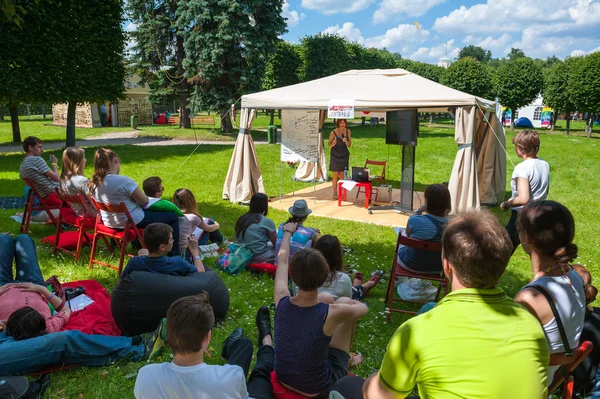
[402,127]
[407,179]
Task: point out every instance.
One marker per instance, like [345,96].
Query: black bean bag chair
[141,300]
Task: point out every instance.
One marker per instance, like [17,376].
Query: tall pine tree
[227,45]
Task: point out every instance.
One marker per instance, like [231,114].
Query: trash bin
[134,121]
[272,134]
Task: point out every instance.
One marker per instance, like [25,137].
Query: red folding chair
[31,206]
[129,233]
[376,181]
[399,271]
[81,223]
[568,364]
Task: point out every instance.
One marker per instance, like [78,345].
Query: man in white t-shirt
[189,324]
[530,180]
[34,168]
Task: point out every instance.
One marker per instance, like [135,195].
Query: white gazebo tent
[479,172]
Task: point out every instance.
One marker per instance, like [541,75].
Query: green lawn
[574,164]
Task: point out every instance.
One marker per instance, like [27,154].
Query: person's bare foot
[373,281]
[356,359]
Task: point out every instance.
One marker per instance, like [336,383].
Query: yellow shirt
[476,343]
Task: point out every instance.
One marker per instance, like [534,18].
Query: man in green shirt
[477,342]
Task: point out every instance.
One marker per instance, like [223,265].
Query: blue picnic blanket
[12,202]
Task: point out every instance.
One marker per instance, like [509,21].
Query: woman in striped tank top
[312,338]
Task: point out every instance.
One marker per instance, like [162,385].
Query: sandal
[358,276]
[355,360]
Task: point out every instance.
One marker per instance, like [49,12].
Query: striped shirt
[35,169]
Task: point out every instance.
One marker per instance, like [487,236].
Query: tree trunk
[226,122]
[1,113]
[431,118]
[512,120]
[272,120]
[14,120]
[71,124]
[553,119]
[587,126]
[591,125]
[568,119]
[183,88]
[43,111]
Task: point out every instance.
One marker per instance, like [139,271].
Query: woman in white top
[72,180]
[546,229]
[529,181]
[109,187]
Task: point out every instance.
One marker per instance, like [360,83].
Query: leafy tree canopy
[475,52]
[324,55]
[470,76]
[584,83]
[283,66]
[515,53]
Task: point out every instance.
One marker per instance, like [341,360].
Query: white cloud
[413,8]
[567,24]
[130,27]
[432,54]
[292,16]
[403,38]
[329,7]
[580,53]
[348,31]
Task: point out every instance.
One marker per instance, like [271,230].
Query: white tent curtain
[244,177]
[306,170]
[490,144]
[463,186]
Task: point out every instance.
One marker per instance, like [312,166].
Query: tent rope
[503,146]
[198,144]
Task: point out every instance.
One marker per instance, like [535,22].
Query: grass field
[574,163]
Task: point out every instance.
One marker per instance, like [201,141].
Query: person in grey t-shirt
[34,168]
[257,232]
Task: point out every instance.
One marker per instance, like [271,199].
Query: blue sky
[540,28]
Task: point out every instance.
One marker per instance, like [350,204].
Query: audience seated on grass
[158,238]
[73,348]
[34,168]
[24,310]
[193,223]
[313,338]
[477,342]
[72,179]
[256,231]
[546,231]
[109,187]
[338,283]
[303,237]
[189,324]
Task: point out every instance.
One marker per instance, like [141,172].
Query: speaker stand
[407,180]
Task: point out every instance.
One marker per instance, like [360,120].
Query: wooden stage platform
[352,209]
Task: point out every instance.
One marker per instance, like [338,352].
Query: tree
[427,71]
[518,82]
[556,89]
[323,55]
[515,53]
[470,76]
[158,53]
[283,66]
[11,11]
[369,58]
[83,62]
[227,46]
[584,87]
[475,52]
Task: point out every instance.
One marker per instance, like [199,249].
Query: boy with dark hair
[189,324]
[34,168]
[158,238]
[477,342]
[153,188]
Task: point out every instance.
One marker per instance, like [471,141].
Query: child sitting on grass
[313,338]
[338,283]
[158,238]
[189,324]
[193,223]
[154,189]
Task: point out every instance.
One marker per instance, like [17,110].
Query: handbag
[234,259]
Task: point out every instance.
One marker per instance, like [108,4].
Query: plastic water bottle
[346,173]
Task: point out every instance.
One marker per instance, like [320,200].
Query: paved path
[120,138]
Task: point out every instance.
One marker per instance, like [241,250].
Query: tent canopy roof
[372,89]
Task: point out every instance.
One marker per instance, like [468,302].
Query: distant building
[537,112]
[444,62]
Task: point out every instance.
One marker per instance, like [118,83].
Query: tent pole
[281,183]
